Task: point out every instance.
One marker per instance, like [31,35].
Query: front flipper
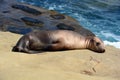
[55,46]
[32,51]
[25,50]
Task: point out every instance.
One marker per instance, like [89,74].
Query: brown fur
[38,41]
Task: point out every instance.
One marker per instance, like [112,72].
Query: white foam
[115,44]
[52,7]
[55,7]
[109,34]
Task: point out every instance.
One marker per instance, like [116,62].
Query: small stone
[26,9]
[65,27]
[32,21]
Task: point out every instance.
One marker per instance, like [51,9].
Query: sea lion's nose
[102,51]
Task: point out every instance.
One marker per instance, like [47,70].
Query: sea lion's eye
[97,44]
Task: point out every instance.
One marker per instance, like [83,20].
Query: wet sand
[60,65]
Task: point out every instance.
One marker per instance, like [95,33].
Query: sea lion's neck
[83,42]
[87,43]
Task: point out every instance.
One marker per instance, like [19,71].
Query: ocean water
[102,17]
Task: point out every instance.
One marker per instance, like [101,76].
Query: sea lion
[37,41]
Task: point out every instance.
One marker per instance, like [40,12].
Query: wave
[109,36]
[111,39]
[115,44]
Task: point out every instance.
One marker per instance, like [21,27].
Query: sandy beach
[60,65]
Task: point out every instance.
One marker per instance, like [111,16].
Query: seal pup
[55,40]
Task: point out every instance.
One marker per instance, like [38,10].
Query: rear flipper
[17,49]
[23,45]
[32,51]
[25,50]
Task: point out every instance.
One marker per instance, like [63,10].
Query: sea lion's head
[97,45]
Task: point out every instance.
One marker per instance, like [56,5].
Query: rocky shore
[23,18]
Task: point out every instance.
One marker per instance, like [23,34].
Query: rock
[65,27]
[58,16]
[26,9]
[23,18]
[1,1]
[32,21]
[20,30]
